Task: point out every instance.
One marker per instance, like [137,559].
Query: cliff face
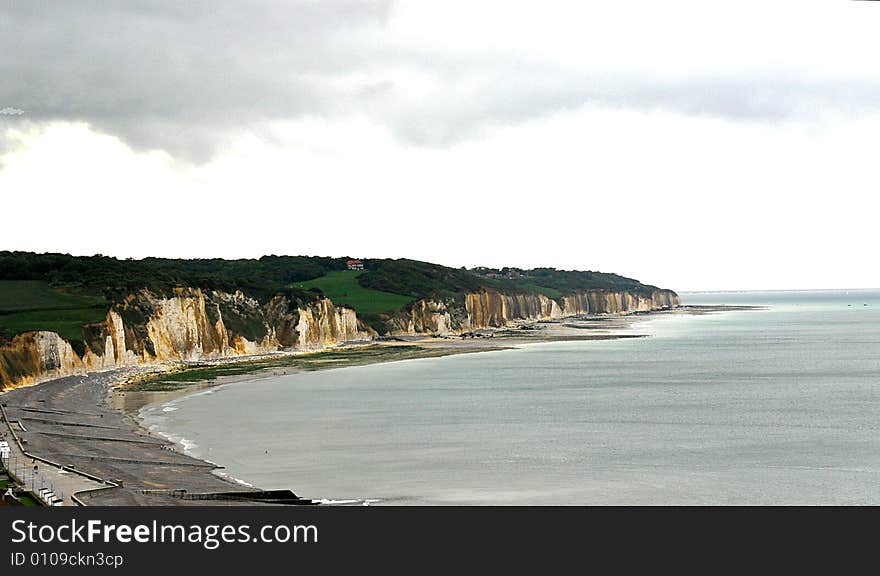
[192,324]
[599,302]
[36,356]
[496,309]
[189,325]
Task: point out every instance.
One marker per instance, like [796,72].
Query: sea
[772,406]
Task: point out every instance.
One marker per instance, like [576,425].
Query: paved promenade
[53,484]
[69,422]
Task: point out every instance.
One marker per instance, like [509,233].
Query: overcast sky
[690,145]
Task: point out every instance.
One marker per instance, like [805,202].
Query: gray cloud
[177,75]
[181,76]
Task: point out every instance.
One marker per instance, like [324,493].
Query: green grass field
[548,292]
[21,295]
[29,305]
[67,323]
[342,287]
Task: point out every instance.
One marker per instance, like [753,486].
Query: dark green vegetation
[67,323]
[204,372]
[59,292]
[317,361]
[27,500]
[28,305]
[555,283]
[25,295]
[112,278]
[263,278]
[343,288]
[79,289]
[426,280]
[24,498]
[421,279]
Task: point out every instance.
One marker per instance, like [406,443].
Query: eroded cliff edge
[195,324]
[190,324]
[492,309]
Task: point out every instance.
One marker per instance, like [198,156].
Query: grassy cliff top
[423,279]
[30,305]
[343,287]
[36,282]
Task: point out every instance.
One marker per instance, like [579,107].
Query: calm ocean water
[775,406]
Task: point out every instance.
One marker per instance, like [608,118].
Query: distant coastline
[63,315]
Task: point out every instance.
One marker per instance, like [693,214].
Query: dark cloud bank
[180,76]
